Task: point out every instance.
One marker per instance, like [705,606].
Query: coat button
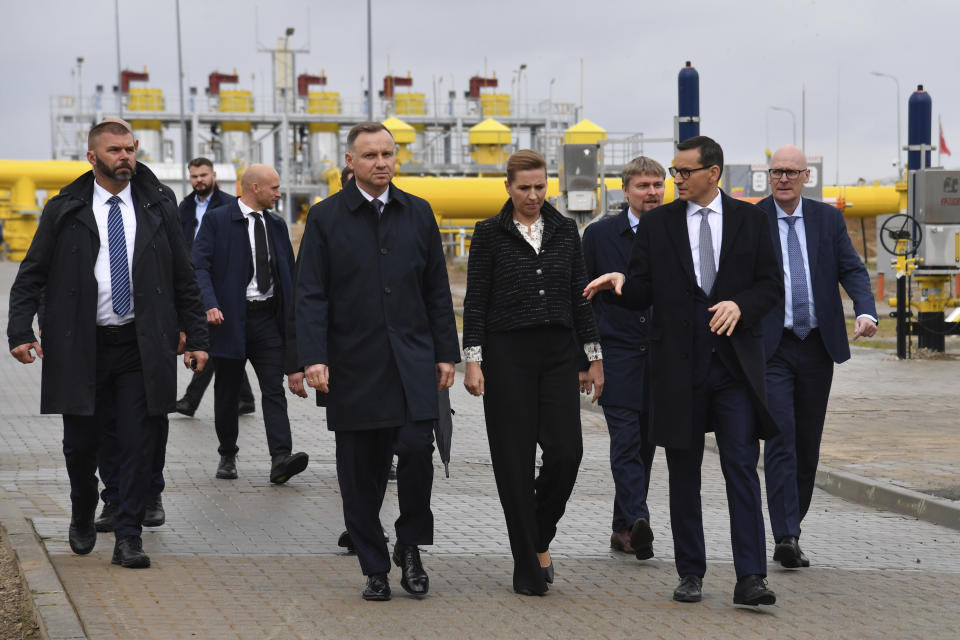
[386,290]
[643,348]
[542,292]
[643,319]
[383,251]
[539,272]
[158,290]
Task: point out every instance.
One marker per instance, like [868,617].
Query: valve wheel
[898,227]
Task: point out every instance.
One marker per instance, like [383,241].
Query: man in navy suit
[244,264]
[623,336]
[803,337]
[706,265]
[206,196]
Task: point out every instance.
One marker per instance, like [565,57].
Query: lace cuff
[473,354]
[593,351]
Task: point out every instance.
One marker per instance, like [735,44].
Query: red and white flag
[944,149]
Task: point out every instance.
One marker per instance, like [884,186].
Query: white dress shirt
[101,268]
[383,197]
[201,209]
[715,220]
[253,293]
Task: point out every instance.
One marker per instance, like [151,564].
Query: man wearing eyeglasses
[706,265]
[803,337]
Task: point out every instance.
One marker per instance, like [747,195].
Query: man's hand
[605,282]
[445,375]
[295,383]
[318,377]
[214,316]
[726,315]
[865,327]
[22,353]
[473,380]
[200,357]
[182,345]
[591,380]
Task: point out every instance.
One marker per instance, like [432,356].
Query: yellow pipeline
[868,201]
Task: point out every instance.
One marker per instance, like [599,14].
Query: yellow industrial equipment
[495,104]
[584,132]
[404,135]
[489,142]
[410,104]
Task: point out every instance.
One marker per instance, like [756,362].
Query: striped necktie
[119,270]
[798,282]
[708,268]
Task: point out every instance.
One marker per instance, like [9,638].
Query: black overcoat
[58,268]
[373,303]
[188,211]
[661,274]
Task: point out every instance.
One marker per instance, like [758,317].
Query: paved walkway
[246,559]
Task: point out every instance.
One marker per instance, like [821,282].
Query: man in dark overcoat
[110,262]
[376,336]
[705,263]
[244,264]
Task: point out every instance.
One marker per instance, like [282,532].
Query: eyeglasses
[792,174]
[686,173]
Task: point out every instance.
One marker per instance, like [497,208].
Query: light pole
[793,117]
[880,74]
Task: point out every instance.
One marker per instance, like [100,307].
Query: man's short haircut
[201,162]
[345,175]
[524,160]
[642,165]
[364,127]
[710,152]
[115,128]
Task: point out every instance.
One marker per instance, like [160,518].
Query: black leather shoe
[83,533]
[346,542]
[788,553]
[286,466]
[414,579]
[753,591]
[690,589]
[185,407]
[227,469]
[128,553]
[105,522]
[641,539]
[246,408]
[377,589]
[154,515]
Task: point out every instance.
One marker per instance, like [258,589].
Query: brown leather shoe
[620,541]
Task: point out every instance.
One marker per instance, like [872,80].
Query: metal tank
[919,120]
[236,133]
[148,131]
[688,103]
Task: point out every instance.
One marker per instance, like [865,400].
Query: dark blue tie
[119,271]
[798,282]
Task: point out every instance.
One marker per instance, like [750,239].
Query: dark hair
[345,175]
[710,152]
[524,160]
[106,127]
[364,127]
[201,162]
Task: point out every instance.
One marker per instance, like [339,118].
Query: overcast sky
[751,54]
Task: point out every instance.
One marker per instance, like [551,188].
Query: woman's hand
[592,380]
[473,380]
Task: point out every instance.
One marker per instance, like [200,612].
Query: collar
[632,219]
[199,200]
[246,210]
[716,206]
[101,195]
[781,214]
[383,197]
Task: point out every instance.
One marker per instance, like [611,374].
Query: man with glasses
[623,336]
[706,265]
[803,337]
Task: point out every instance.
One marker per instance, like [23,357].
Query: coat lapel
[812,227]
[732,219]
[676,224]
[147,224]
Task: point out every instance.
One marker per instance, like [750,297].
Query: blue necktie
[119,271]
[798,282]
[378,205]
[708,268]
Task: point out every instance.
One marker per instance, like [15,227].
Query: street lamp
[880,74]
[793,116]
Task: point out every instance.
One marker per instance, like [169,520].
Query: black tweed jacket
[511,287]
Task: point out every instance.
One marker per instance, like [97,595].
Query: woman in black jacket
[524,322]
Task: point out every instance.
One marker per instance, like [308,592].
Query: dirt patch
[16,611]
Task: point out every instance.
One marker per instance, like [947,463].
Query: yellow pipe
[46,174]
[868,201]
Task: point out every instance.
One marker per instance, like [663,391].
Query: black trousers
[108,461]
[201,380]
[530,399]
[363,462]
[120,409]
[264,350]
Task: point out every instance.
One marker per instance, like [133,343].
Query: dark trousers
[121,409]
[363,462]
[799,375]
[201,379]
[530,399]
[722,403]
[264,348]
[631,458]
[107,462]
